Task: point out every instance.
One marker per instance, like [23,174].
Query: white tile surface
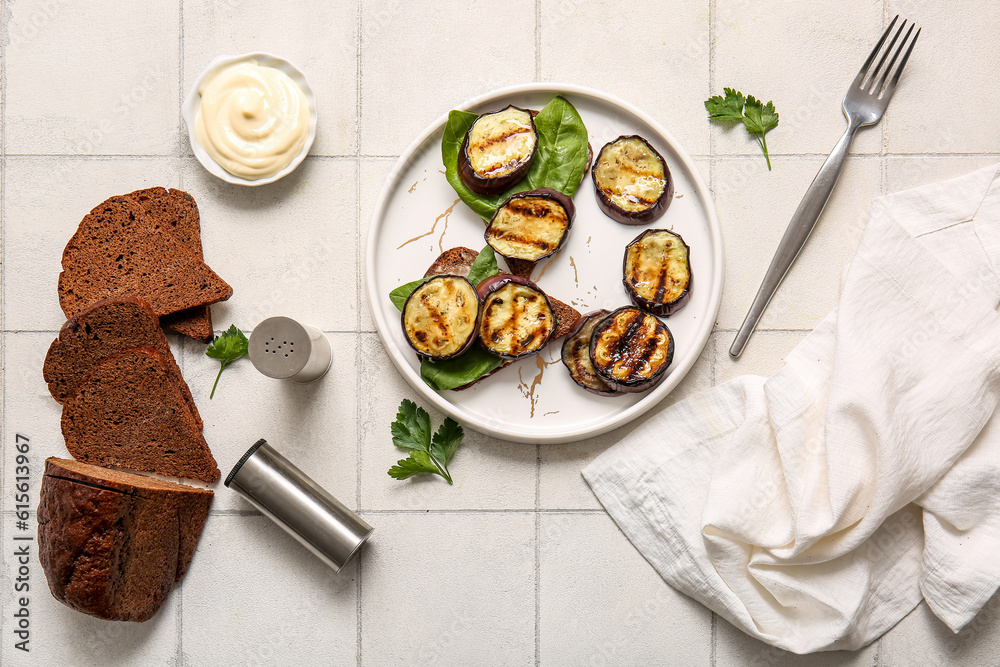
[91,79]
[802,56]
[453,575]
[416,611]
[603,604]
[312,425]
[415,64]
[288,248]
[606,45]
[255,596]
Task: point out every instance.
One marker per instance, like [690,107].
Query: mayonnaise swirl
[252,120]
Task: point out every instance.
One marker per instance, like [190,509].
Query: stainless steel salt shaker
[304,509]
[282,348]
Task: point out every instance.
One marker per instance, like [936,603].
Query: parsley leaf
[227,348]
[412,428]
[446,440]
[729,108]
[412,431]
[757,117]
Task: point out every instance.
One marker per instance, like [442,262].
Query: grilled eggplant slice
[517,318]
[576,356]
[530,226]
[631,350]
[498,150]
[632,181]
[440,317]
[657,269]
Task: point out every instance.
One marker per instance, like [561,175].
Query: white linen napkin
[813,509]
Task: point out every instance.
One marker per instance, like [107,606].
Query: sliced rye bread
[118,251]
[100,330]
[113,544]
[458,261]
[130,413]
[177,212]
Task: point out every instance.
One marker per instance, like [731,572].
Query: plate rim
[634,411]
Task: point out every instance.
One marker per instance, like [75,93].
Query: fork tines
[868,75]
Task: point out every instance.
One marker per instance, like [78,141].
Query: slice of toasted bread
[458,261]
[98,331]
[118,251]
[130,413]
[176,211]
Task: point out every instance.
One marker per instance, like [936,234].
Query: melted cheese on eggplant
[517,320]
[440,316]
[528,228]
[501,142]
[630,174]
[631,346]
[656,267]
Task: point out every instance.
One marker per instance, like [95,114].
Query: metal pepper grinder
[284,349]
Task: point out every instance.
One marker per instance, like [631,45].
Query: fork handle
[801,225]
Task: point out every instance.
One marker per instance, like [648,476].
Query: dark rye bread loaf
[112,544]
[175,211]
[118,251]
[458,261]
[130,413]
[100,330]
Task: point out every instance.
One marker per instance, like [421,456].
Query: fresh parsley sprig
[412,431]
[757,117]
[227,348]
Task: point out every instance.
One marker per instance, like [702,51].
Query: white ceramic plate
[189,111]
[534,400]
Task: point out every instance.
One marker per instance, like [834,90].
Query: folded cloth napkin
[815,508]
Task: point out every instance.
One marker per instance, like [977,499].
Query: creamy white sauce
[252,120]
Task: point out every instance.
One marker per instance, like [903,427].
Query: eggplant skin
[631,350]
[632,181]
[532,225]
[576,356]
[657,271]
[516,318]
[498,150]
[440,318]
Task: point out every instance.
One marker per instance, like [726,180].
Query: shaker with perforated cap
[282,348]
[303,508]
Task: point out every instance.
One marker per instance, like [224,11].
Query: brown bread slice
[100,330]
[458,261]
[117,251]
[176,211]
[112,544]
[129,413]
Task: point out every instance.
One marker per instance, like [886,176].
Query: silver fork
[864,104]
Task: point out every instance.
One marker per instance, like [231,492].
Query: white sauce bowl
[189,111]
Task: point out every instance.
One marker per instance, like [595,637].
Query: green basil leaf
[484,266]
[451,373]
[561,156]
[455,130]
[399,295]
[559,163]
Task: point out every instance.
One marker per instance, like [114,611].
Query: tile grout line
[538,554]
[538,40]
[359,590]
